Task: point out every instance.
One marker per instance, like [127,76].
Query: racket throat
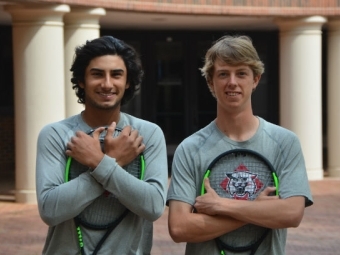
[222,247]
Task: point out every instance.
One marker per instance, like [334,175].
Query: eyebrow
[238,69]
[101,70]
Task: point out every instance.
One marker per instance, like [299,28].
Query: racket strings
[134,168]
[241,176]
[102,212]
[102,135]
[106,211]
[251,247]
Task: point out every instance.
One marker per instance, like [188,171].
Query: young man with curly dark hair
[107,73]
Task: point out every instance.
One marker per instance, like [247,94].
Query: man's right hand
[125,147]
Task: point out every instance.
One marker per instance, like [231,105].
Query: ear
[211,88]
[127,85]
[256,81]
[81,84]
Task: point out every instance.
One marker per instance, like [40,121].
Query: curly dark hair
[107,45]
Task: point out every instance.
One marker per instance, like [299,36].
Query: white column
[81,24]
[333,102]
[300,86]
[38,41]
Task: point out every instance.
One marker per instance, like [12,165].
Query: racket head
[136,167]
[241,174]
[106,210]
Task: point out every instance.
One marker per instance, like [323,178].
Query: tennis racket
[241,174]
[105,212]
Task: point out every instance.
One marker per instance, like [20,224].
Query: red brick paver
[23,233]
[319,231]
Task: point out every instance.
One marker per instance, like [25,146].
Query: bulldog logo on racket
[241,184]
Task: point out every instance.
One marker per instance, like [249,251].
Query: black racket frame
[109,227]
[254,246]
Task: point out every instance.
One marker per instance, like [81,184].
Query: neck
[238,127]
[100,118]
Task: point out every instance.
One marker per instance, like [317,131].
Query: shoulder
[202,140]
[283,143]
[276,132]
[63,127]
[144,127]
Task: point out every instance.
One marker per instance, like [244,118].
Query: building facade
[299,42]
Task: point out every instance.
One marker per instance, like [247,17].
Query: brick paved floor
[23,233]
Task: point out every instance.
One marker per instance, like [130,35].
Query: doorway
[175,95]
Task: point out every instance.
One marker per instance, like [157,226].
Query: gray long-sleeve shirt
[60,202]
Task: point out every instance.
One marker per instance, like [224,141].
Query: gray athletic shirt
[280,146]
[60,202]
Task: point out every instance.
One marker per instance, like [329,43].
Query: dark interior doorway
[175,95]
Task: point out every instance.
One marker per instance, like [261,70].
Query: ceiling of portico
[139,20]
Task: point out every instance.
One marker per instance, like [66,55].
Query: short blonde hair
[233,50]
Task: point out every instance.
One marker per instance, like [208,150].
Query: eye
[96,74]
[116,74]
[222,74]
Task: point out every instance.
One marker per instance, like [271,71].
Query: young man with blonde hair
[233,70]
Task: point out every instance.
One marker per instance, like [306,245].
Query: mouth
[232,94]
[106,94]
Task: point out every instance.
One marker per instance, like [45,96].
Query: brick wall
[217,7]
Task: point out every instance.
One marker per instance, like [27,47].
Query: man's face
[105,82]
[233,85]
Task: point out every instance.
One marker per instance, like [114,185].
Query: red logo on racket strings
[108,194]
[241,184]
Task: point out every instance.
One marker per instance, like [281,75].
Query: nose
[232,80]
[107,83]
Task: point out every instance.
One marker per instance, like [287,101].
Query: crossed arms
[216,216]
